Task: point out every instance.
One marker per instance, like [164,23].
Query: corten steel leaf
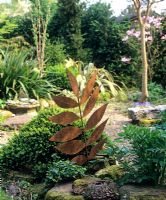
[72,147]
[88,88]
[65,102]
[97,133]
[73,83]
[96,149]
[80,159]
[66,134]
[64,118]
[95,117]
[92,101]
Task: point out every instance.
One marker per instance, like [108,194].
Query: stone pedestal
[150,112]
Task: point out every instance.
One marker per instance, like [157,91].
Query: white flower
[126,60]
[125,38]
[163,37]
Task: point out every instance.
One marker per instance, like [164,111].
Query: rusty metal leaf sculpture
[92,101]
[97,133]
[73,83]
[72,147]
[96,149]
[88,88]
[66,134]
[65,102]
[80,159]
[96,117]
[64,118]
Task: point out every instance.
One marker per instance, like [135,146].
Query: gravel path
[116,112]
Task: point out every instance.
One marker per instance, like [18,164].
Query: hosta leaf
[96,117]
[97,133]
[64,118]
[91,103]
[65,102]
[66,134]
[72,147]
[88,88]
[73,83]
[96,149]
[80,159]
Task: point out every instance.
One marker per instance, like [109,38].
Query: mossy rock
[54,195]
[79,185]
[114,172]
[148,122]
[5,114]
[130,192]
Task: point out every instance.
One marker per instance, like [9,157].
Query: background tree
[66,26]
[41,14]
[143,7]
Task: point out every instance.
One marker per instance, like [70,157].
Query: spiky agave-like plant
[68,136]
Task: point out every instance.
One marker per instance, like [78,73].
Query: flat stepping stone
[17,121]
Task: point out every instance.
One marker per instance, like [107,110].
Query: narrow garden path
[116,112]
[118,117]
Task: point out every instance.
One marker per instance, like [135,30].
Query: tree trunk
[145,95]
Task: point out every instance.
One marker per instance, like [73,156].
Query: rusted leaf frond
[65,102]
[80,159]
[72,147]
[73,83]
[96,117]
[96,149]
[64,118]
[66,134]
[92,101]
[97,133]
[88,88]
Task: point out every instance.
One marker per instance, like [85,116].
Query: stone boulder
[79,185]
[95,188]
[130,192]
[114,172]
[62,192]
[5,114]
[149,112]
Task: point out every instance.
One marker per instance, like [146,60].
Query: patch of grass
[4,196]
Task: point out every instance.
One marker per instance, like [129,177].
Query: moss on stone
[148,122]
[54,195]
[114,172]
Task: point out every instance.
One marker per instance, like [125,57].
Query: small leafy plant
[68,137]
[63,171]
[145,159]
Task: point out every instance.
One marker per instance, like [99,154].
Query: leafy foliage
[63,171]
[57,76]
[55,53]
[4,196]
[19,73]
[145,160]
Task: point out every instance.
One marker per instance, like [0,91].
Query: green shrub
[55,53]
[32,144]
[146,160]
[63,171]
[57,75]
[39,169]
[156,92]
